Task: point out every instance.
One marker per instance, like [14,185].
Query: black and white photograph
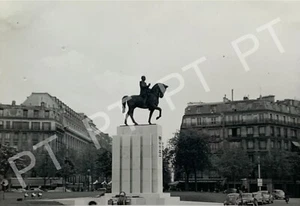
[149,102]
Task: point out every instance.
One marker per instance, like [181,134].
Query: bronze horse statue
[152,101]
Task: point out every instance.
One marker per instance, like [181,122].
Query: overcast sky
[90,54]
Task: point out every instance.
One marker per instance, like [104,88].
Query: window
[272,144]
[35,140]
[1,112]
[7,124]
[17,125]
[199,109]
[6,139]
[278,131]
[1,124]
[213,108]
[251,158]
[294,133]
[199,121]
[214,132]
[294,120]
[262,130]
[271,117]
[46,125]
[213,120]
[250,131]
[187,121]
[15,140]
[277,117]
[285,133]
[272,131]
[25,125]
[261,117]
[262,144]
[235,132]
[250,144]
[35,126]
[36,113]
[286,146]
[25,113]
[194,122]
[284,119]
[279,145]
[47,114]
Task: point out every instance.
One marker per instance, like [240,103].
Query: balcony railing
[262,121]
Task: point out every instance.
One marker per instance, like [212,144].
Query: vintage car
[248,199]
[278,194]
[232,199]
[268,196]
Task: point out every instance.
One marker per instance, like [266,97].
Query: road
[214,199]
[293,202]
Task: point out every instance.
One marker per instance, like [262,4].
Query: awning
[296,144]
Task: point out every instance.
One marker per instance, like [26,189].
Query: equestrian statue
[148,99]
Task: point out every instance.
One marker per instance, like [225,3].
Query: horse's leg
[150,115]
[160,111]
[126,117]
[131,115]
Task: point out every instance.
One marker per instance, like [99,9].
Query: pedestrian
[287,198]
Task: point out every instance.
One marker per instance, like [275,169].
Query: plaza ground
[11,198]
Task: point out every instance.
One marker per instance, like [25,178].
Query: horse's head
[162,89]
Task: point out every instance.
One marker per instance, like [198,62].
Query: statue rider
[144,88]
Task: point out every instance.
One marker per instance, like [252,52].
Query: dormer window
[199,109]
[213,108]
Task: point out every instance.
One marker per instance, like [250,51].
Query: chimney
[232,95]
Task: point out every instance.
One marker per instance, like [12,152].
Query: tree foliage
[7,152]
[44,166]
[233,164]
[190,151]
[279,164]
[166,167]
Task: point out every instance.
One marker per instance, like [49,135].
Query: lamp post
[259,177]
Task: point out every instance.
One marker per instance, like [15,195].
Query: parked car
[261,199]
[230,190]
[268,196]
[278,194]
[248,199]
[232,199]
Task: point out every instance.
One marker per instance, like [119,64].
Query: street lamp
[259,183]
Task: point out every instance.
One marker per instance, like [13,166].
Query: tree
[275,165]
[166,167]
[66,157]
[279,164]
[44,166]
[7,152]
[190,152]
[233,164]
[104,164]
[294,159]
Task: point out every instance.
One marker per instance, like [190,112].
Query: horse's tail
[124,101]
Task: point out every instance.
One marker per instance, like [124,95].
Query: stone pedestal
[137,164]
[137,160]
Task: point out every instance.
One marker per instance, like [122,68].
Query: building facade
[256,125]
[38,118]
[41,116]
